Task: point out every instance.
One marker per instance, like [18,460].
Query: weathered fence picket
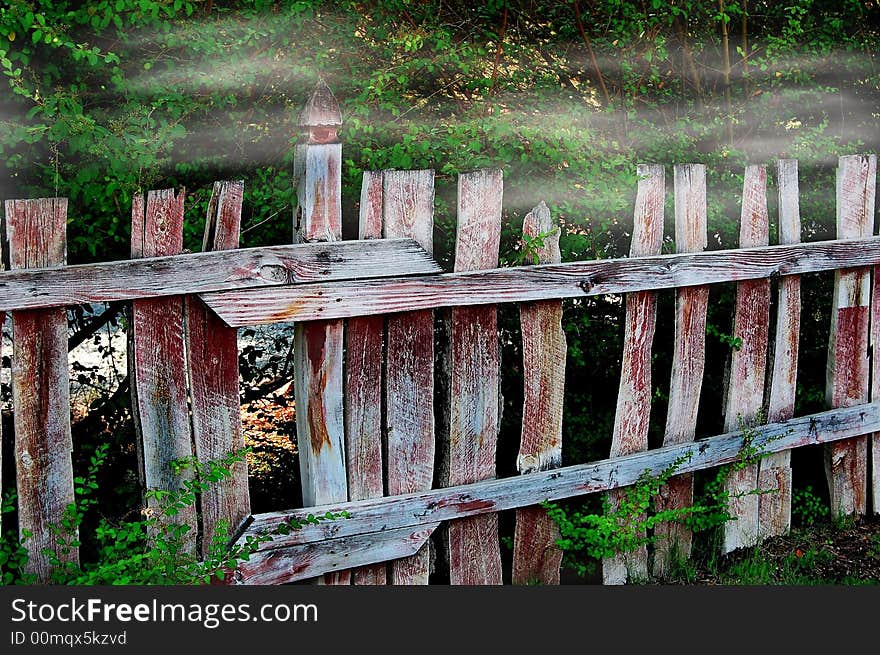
[474,385]
[318,346]
[631,420]
[363,385]
[36,231]
[847,374]
[748,364]
[157,357]
[674,540]
[212,365]
[536,557]
[774,475]
[408,211]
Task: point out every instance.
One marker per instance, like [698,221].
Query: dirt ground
[845,553]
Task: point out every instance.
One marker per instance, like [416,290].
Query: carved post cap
[321,116]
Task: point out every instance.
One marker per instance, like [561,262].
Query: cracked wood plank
[157,358]
[473,365]
[408,210]
[536,558]
[36,230]
[212,353]
[152,277]
[673,540]
[774,471]
[359,552]
[633,412]
[344,299]
[363,385]
[748,364]
[847,372]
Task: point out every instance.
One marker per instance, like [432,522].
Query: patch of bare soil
[844,553]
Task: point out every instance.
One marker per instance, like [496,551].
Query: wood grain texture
[319,212]
[536,558]
[408,210]
[774,474]
[361,552]
[672,540]
[875,388]
[490,496]
[474,379]
[543,282]
[847,373]
[748,364]
[154,277]
[633,411]
[212,353]
[363,385]
[157,357]
[319,347]
[36,232]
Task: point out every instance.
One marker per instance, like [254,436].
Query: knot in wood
[276,272]
[586,285]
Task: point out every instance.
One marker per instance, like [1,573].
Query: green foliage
[732,342]
[626,525]
[153,550]
[807,508]
[797,568]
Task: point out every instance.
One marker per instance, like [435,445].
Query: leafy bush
[152,550]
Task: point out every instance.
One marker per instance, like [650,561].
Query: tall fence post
[318,345]
[748,363]
[36,230]
[157,357]
[536,557]
[408,211]
[212,358]
[774,475]
[474,548]
[633,412]
[673,540]
[847,373]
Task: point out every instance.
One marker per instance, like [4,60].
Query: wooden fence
[365,362]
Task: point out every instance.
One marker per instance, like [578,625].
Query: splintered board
[674,540]
[36,230]
[847,374]
[157,358]
[774,475]
[633,411]
[473,364]
[408,211]
[748,364]
[212,352]
[536,557]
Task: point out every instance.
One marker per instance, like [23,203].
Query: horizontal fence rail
[541,282]
[411,514]
[193,273]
